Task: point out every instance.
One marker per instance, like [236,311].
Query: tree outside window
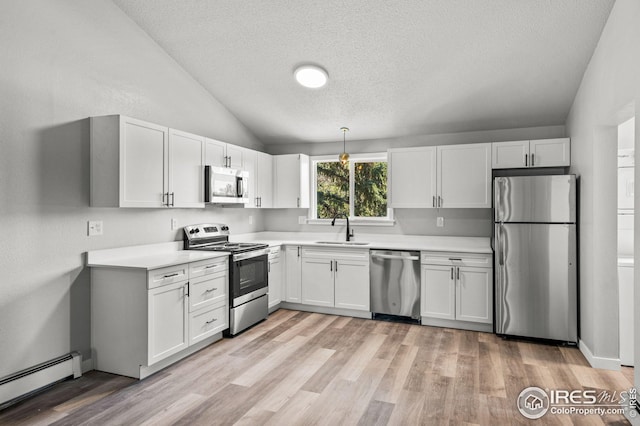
[357,189]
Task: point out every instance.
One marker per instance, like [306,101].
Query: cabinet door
[412,177]
[438,296]
[143,163]
[293,274]
[265,180]
[352,285]
[250,159]
[508,155]
[550,152]
[464,176]
[291,183]
[474,295]
[275,281]
[215,153]
[235,156]
[186,169]
[318,282]
[167,317]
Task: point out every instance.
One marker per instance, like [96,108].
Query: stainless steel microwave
[225,186]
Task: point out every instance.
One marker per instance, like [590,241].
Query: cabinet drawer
[323,253]
[205,323]
[208,267]
[208,290]
[168,275]
[479,260]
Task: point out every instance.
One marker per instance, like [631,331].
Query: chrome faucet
[349,232]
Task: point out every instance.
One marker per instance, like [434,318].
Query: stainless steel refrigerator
[535,256]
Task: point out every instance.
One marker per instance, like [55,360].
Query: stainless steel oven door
[249,276]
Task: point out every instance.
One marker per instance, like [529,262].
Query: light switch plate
[440,222]
[250,220]
[174,223]
[94,227]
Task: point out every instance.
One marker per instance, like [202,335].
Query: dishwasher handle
[390,256]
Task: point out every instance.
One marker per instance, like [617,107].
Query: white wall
[63,61]
[608,95]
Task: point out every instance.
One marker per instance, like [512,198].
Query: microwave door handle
[240,187]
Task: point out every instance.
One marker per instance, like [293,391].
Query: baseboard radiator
[22,384]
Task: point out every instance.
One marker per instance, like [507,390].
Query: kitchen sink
[344,243]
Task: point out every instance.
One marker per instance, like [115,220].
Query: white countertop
[152,256]
[376,241]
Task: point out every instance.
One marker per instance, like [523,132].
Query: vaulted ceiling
[396,68]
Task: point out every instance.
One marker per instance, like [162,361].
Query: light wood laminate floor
[306,368]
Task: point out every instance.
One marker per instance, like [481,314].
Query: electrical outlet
[440,222]
[302,220]
[94,227]
[174,223]
[250,220]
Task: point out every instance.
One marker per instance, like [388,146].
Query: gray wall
[63,61]
[608,95]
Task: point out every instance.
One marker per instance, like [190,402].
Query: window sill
[353,222]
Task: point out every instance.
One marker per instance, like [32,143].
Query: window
[357,189]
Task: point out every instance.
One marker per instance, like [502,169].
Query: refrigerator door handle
[500,246]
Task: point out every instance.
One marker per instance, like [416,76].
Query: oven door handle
[250,254]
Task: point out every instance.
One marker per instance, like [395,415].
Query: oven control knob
[193,231]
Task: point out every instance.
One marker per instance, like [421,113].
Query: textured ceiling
[395,68]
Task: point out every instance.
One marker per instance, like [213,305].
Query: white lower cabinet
[335,278]
[457,290]
[293,274]
[275,277]
[143,320]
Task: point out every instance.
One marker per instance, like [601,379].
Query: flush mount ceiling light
[344,157]
[311,76]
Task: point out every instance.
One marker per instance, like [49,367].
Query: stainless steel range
[248,273]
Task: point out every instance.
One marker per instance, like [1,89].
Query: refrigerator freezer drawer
[547,199]
[536,288]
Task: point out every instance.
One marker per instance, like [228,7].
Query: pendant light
[344,157]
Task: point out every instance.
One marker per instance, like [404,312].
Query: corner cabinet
[531,153]
[457,290]
[143,321]
[134,163]
[291,181]
[449,176]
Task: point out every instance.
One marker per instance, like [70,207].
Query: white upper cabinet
[260,168]
[222,154]
[451,176]
[550,152]
[412,177]
[533,153]
[464,176]
[186,171]
[139,164]
[291,181]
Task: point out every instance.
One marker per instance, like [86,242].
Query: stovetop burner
[215,237]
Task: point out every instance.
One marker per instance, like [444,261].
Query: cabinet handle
[298,202]
[173,199]
[336,266]
[164,194]
[451,273]
[186,289]
[210,266]
[533,160]
[331,265]
[433,202]
[458,274]
[439,201]
[213,320]
[175,274]
[259,201]
[209,290]
[526,160]
[298,251]
[459,259]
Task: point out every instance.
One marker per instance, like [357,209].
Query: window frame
[353,158]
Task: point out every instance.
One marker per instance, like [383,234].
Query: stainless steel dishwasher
[395,283]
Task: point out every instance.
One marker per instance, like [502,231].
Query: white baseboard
[599,362]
